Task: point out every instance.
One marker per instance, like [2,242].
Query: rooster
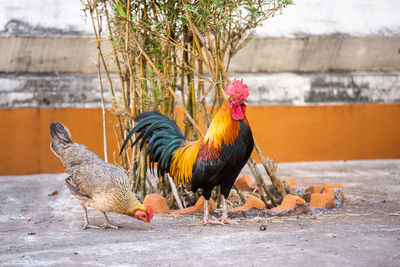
[95,183]
[213,160]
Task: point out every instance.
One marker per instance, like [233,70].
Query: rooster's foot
[216,222]
[225,220]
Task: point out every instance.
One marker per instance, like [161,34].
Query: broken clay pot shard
[252,202]
[157,202]
[291,204]
[198,207]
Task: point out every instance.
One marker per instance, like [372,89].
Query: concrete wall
[72,54]
[317,51]
[61,71]
[319,54]
[320,65]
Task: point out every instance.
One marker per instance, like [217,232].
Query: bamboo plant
[172,53]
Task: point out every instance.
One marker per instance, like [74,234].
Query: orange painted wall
[327,132]
[287,133]
[25,139]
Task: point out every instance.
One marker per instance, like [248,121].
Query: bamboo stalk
[143,170]
[91,6]
[253,167]
[242,197]
[103,108]
[262,194]
[218,193]
[196,39]
[270,168]
[175,192]
[110,35]
[168,85]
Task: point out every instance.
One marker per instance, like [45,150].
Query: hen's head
[238,93]
[145,216]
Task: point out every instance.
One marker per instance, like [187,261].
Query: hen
[95,183]
[213,160]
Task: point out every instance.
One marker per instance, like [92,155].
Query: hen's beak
[148,224]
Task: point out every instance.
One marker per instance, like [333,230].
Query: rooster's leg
[205,218]
[87,224]
[224,217]
[108,224]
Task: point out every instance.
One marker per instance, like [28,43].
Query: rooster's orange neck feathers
[223,128]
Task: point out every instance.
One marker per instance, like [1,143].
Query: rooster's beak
[243,102]
[148,224]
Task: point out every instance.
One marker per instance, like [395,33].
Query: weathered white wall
[335,17]
[65,15]
[306,17]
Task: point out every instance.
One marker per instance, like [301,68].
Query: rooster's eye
[232,100]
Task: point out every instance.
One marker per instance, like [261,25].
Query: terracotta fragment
[198,207]
[245,184]
[157,202]
[252,202]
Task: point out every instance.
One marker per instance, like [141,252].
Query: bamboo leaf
[120,9]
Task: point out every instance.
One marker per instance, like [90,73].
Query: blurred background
[324,80]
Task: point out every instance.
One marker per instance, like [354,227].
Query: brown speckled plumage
[94,183]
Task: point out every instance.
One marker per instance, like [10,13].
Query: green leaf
[120,10]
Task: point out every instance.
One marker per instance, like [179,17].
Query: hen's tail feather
[161,134]
[60,135]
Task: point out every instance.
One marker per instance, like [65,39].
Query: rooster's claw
[227,221]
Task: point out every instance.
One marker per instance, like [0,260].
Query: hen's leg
[87,224]
[108,224]
[224,217]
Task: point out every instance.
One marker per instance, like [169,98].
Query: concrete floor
[364,232]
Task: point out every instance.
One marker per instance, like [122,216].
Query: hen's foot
[90,226]
[109,225]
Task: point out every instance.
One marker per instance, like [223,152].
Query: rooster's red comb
[238,88]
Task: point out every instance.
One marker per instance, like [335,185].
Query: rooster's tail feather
[161,134]
[61,137]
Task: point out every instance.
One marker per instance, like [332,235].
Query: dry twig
[27,219]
